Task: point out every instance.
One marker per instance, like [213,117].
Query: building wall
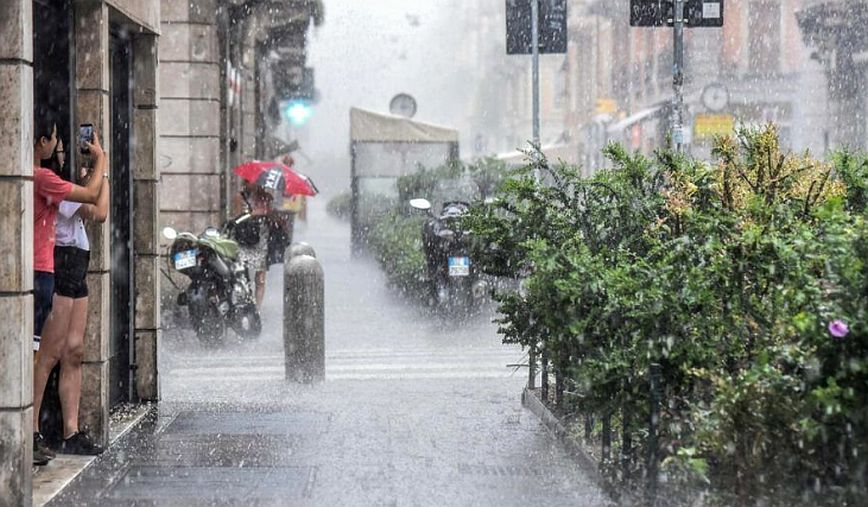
[92,103]
[189,117]
[759,57]
[16,258]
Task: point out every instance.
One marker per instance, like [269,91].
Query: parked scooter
[455,281]
[220,292]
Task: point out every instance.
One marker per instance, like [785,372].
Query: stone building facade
[758,59]
[109,78]
[216,58]
[835,31]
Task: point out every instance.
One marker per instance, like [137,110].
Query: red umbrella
[276,177]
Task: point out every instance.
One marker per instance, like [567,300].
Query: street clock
[403,105]
[715,97]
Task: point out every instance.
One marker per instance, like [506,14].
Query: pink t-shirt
[49,190]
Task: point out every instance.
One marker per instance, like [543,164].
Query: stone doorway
[121,354]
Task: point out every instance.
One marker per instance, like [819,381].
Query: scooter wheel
[211,331]
[248,324]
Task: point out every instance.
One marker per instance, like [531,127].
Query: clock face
[715,97]
[403,105]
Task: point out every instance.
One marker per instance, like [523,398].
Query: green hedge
[396,242]
[341,205]
[395,237]
[738,277]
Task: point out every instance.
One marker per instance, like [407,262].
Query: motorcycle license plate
[459,266]
[185,259]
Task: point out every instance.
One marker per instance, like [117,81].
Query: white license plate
[186,259]
[459,266]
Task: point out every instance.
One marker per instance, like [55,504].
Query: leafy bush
[735,277]
[341,205]
[396,241]
[395,237]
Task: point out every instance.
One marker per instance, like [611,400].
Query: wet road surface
[416,410]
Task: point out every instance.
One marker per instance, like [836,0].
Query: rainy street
[434,253]
[416,410]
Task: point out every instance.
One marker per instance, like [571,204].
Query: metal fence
[618,454]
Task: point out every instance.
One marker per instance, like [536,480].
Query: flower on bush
[838,328]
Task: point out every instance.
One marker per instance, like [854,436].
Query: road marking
[348,364]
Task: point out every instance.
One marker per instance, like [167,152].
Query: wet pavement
[416,410]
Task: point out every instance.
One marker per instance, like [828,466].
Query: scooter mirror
[170,233]
[421,204]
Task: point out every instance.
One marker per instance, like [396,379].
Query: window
[764,37]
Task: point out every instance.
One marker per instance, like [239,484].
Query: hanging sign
[697,13]
[552,27]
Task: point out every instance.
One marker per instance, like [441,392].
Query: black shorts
[70,271]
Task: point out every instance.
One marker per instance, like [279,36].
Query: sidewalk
[415,411]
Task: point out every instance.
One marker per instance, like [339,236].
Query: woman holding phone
[62,335]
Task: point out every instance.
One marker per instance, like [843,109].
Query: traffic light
[298,112]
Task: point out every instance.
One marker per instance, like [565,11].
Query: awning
[368,126]
[633,119]
[568,153]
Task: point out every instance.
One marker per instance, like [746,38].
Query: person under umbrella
[253,247]
[263,182]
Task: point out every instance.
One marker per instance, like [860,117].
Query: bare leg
[50,350]
[70,367]
[260,288]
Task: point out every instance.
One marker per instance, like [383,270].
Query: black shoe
[42,454]
[81,444]
[40,459]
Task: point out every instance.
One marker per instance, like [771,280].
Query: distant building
[837,32]
[754,70]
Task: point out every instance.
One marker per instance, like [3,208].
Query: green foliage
[727,275]
[341,205]
[396,241]
[395,237]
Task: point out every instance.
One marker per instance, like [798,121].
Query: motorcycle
[455,281]
[220,292]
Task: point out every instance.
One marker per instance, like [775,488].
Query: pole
[655,378]
[534,20]
[678,79]
[534,42]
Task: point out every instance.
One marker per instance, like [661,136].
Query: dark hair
[53,163]
[43,124]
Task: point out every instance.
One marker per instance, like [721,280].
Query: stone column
[92,106]
[146,243]
[189,115]
[16,252]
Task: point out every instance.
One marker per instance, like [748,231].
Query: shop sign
[706,126]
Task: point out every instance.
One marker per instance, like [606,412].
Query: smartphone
[85,135]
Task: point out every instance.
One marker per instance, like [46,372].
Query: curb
[51,480]
[530,400]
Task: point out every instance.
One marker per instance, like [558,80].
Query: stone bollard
[301,249]
[304,320]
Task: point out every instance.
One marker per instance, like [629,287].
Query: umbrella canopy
[276,177]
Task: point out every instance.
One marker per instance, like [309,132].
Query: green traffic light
[298,112]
